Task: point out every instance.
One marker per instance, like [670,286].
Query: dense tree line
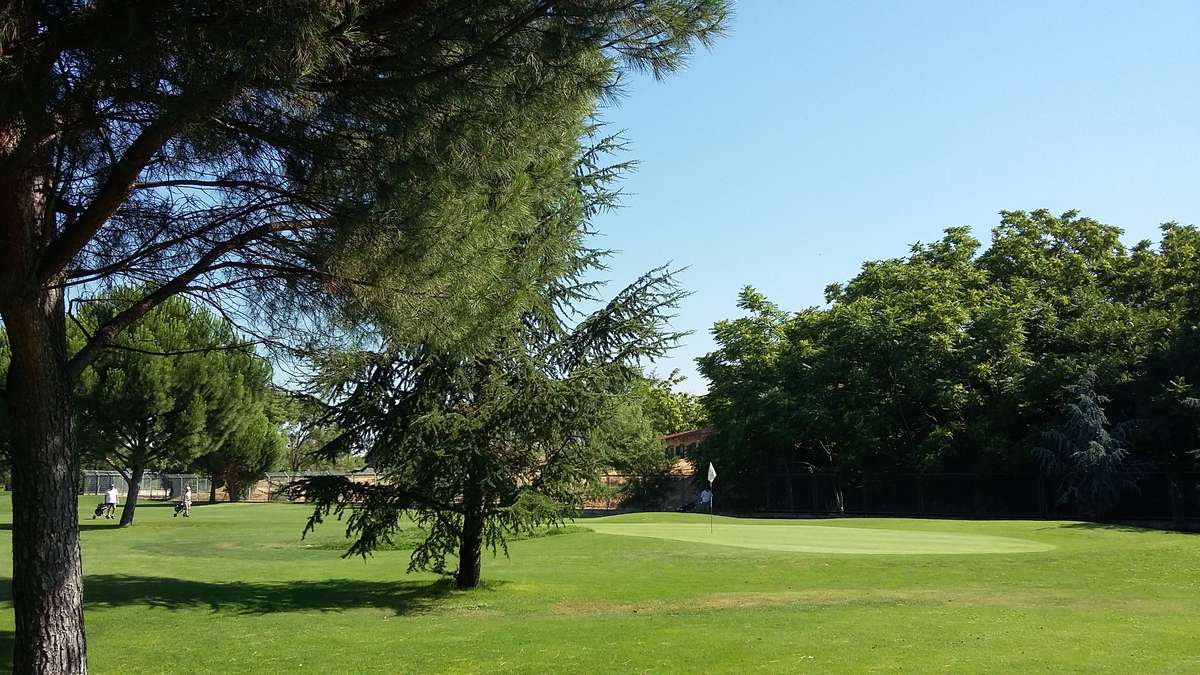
[958,358]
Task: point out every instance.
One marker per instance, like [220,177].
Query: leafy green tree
[1169,433]
[627,439]
[670,411]
[1166,400]
[952,358]
[309,427]
[248,449]
[1081,449]
[747,403]
[289,163]
[480,446]
[630,437]
[175,385]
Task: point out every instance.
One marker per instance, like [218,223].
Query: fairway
[235,590]
[780,536]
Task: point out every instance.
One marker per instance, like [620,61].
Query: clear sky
[818,135]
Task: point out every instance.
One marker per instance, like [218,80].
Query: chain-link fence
[154,485]
[171,486]
[1147,495]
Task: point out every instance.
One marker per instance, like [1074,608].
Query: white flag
[712,473]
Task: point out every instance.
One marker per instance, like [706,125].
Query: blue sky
[816,136]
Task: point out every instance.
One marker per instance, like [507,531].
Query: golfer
[110,500]
[187,502]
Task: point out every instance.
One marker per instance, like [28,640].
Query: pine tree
[476,447]
[1084,453]
[179,383]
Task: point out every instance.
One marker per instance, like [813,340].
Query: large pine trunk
[47,583]
[470,550]
[135,488]
[47,580]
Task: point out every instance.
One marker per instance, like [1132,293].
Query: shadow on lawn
[98,525]
[1126,527]
[239,597]
[7,640]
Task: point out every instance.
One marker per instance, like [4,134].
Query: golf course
[235,589]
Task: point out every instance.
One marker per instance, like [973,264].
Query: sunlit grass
[235,589]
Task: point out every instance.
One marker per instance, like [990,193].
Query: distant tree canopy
[671,411]
[630,439]
[177,386]
[957,359]
[309,426]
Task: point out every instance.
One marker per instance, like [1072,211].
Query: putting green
[822,538]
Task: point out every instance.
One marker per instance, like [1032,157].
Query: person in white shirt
[187,502]
[705,498]
[110,501]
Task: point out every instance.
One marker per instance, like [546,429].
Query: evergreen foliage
[480,446]
[1083,452]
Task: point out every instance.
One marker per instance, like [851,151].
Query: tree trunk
[47,578]
[47,582]
[1178,517]
[135,488]
[470,550]
[233,487]
[791,489]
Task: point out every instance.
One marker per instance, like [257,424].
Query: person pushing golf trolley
[185,505]
[108,507]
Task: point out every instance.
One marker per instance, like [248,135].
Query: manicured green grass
[233,589]
[794,536]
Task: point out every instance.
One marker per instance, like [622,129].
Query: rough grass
[234,589]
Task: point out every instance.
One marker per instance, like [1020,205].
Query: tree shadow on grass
[1126,527]
[7,641]
[83,526]
[239,597]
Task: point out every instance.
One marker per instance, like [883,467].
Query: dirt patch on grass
[227,546]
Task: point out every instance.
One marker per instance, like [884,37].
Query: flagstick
[712,498]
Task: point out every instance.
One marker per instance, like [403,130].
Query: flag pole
[712,496]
